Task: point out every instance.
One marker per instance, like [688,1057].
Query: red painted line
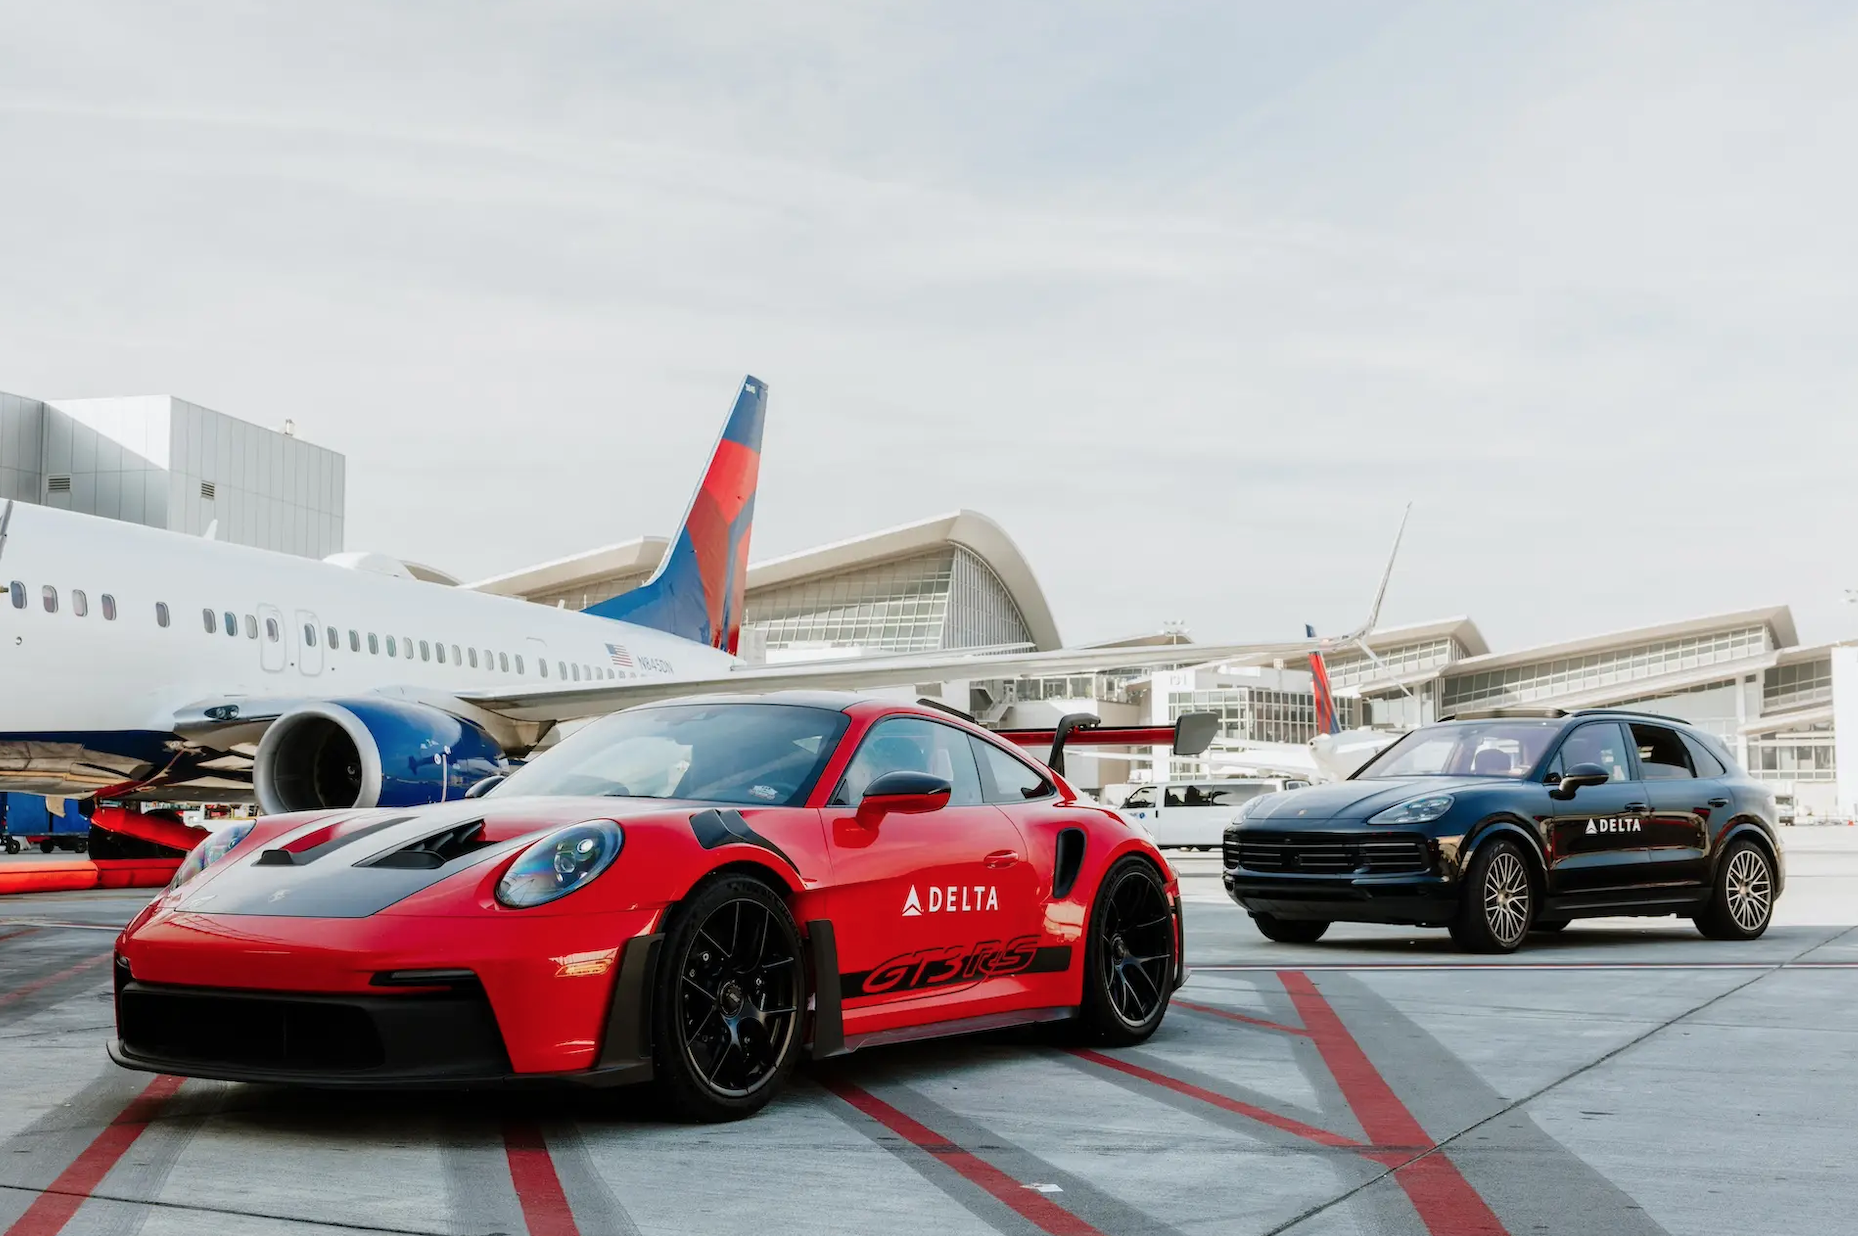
[17,932]
[1445,1200]
[1229,1015]
[538,1186]
[1029,1204]
[53,1208]
[38,985]
[1308,1132]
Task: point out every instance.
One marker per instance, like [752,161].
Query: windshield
[1480,749]
[752,754]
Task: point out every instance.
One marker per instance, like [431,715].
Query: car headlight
[216,846]
[564,860]
[1415,810]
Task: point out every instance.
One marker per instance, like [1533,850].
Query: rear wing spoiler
[1190,735]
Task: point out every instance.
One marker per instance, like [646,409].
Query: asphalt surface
[1626,1077]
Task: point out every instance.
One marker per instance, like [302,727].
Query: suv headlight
[1247,807]
[216,846]
[1415,810]
[564,860]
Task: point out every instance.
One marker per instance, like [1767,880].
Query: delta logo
[952,899]
[1613,826]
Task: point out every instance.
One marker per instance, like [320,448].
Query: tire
[1498,900]
[728,1002]
[1290,930]
[1131,956]
[1742,897]
[12,845]
[1550,925]
[47,846]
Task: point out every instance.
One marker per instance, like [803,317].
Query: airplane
[143,665]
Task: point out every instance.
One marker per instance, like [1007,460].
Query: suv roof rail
[1494,714]
[1629,712]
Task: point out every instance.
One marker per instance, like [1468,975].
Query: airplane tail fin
[697,593]
[1326,722]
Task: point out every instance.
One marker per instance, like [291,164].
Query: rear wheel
[1290,930]
[1498,900]
[47,846]
[726,1013]
[1742,902]
[1130,958]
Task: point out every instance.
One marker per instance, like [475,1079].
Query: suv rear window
[1662,754]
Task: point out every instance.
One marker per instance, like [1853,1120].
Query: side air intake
[1070,862]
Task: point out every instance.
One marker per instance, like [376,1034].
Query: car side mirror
[906,793]
[1578,776]
[480,788]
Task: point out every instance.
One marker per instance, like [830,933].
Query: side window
[374,644]
[335,638]
[575,671]
[108,604]
[393,649]
[1006,778]
[425,652]
[212,621]
[49,595]
[251,627]
[440,648]
[18,592]
[271,631]
[912,744]
[1174,796]
[561,668]
[230,621]
[161,613]
[503,662]
[354,640]
[1662,754]
[1599,742]
[1143,796]
[473,653]
[457,659]
[406,646]
[309,636]
[543,663]
[1706,764]
[80,604]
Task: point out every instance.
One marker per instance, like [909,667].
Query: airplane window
[309,636]
[473,653]
[251,627]
[109,607]
[271,631]
[425,653]
[80,604]
[374,644]
[457,658]
[503,662]
[335,639]
[49,595]
[441,648]
[490,660]
[406,642]
[231,622]
[18,590]
[392,649]
[577,672]
[212,621]
[161,612]
[354,640]
[543,664]
[561,667]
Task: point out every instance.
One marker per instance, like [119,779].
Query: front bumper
[1365,876]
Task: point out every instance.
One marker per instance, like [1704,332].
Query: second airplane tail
[1326,722]
[698,591]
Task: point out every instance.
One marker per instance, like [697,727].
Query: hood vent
[436,850]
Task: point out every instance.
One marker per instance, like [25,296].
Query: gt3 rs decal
[955,965]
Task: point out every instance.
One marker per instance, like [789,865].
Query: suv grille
[1326,853]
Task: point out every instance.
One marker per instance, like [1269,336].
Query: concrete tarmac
[1626,1076]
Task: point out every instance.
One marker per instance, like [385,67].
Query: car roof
[1474,716]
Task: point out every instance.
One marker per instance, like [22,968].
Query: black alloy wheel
[1131,955]
[1290,930]
[1742,899]
[1498,900]
[730,994]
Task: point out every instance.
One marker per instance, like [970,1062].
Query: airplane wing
[864,673]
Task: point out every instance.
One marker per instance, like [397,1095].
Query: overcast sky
[1191,298]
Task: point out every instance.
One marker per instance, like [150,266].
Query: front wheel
[1290,930]
[727,1004]
[1498,900]
[1130,955]
[1742,901]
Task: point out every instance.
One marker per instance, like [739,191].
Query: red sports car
[689,894]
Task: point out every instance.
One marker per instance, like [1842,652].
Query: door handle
[1637,807]
[1719,802]
[1002,858]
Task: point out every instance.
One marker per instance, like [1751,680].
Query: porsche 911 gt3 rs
[688,894]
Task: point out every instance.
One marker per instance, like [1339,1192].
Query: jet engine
[369,753]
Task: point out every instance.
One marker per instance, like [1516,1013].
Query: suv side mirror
[907,793]
[1578,776]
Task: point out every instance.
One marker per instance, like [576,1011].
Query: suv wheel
[1498,900]
[1742,901]
[1290,930]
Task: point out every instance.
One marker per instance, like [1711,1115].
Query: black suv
[1496,824]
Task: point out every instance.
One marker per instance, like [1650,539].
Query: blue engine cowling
[369,753]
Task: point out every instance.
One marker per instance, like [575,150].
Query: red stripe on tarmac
[38,985]
[1028,1204]
[1308,1132]
[53,1208]
[1229,1015]
[17,932]
[538,1186]
[1445,1200]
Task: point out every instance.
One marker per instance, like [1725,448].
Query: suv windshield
[1479,749]
[753,754]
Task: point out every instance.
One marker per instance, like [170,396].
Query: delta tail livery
[142,664]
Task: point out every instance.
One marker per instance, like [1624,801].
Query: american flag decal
[620,656]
